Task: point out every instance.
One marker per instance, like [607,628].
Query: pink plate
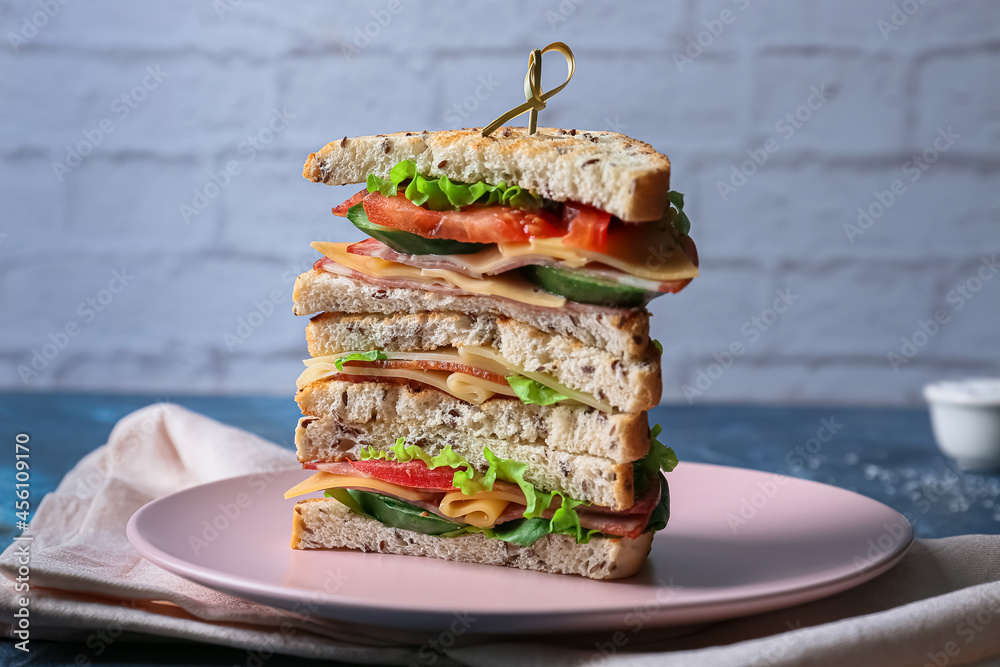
[739,542]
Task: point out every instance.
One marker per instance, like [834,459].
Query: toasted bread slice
[610,171]
[324,523]
[623,333]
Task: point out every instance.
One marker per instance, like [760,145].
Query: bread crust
[623,333]
[324,523]
[610,171]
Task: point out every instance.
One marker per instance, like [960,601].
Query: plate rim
[208,577]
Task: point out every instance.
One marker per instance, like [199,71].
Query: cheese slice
[328,480]
[478,355]
[462,386]
[480,509]
[477,511]
[644,251]
[507,286]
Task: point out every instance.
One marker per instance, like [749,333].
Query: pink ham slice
[374,248]
[330,266]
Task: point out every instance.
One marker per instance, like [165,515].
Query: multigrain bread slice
[623,333]
[629,386]
[595,479]
[573,449]
[324,523]
[610,171]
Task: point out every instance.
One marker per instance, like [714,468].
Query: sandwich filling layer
[444,495]
[472,374]
[506,242]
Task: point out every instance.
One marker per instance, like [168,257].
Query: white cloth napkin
[940,606]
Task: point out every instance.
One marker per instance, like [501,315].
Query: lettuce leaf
[660,457]
[681,222]
[442,194]
[513,471]
[658,345]
[372,355]
[466,478]
[469,481]
[534,392]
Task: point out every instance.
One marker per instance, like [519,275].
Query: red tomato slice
[414,474]
[341,210]
[588,227]
[474,224]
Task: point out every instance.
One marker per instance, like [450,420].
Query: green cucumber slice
[583,288]
[406,242]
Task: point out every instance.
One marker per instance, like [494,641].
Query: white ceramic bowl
[965,416]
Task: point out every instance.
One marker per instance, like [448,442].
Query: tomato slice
[588,227]
[414,474]
[473,224]
[356,198]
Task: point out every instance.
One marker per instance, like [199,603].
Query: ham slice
[441,287]
[456,263]
[459,264]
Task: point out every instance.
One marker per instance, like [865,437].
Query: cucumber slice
[406,242]
[583,288]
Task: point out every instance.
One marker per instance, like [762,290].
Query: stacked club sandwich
[481,364]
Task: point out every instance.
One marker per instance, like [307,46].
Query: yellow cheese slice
[508,286]
[328,480]
[481,512]
[643,251]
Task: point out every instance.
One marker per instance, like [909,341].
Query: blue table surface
[884,453]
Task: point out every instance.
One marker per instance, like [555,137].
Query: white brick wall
[205,302]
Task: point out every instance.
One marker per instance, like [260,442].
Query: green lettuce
[441,194]
[658,345]
[534,392]
[660,457]
[372,355]
[466,478]
[565,521]
[681,222]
